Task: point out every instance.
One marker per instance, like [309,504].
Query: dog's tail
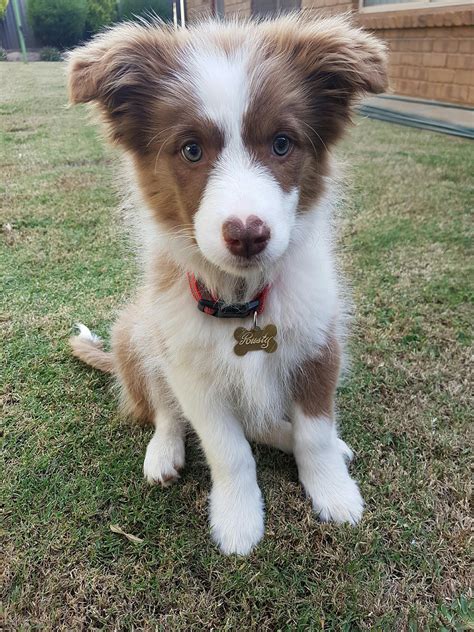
[88,347]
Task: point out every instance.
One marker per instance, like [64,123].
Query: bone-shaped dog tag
[255,339]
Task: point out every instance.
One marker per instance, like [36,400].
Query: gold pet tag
[255,339]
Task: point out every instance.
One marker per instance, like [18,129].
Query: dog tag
[255,339]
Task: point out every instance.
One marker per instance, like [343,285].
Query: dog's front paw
[334,494]
[236,519]
[164,459]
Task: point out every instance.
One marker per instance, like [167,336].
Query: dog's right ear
[87,70]
[108,68]
[120,70]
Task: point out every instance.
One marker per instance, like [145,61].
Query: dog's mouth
[237,266]
[243,263]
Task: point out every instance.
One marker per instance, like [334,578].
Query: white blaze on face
[238,185]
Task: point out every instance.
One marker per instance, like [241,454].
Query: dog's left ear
[344,59]
[333,55]
[336,63]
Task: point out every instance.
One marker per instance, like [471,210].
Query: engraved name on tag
[255,339]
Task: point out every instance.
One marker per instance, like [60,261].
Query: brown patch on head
[306,78]
[134,74]
[335,62]
[316,380]
[278,106]
[173,186]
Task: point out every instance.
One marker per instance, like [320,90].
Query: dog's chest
[256,384]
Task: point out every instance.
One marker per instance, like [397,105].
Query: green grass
[73,466]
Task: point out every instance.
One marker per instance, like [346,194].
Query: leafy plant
[3,54]
[58,23]
[100,13]
[50,53]
[3,8]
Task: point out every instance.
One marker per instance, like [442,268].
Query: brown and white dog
[227,129]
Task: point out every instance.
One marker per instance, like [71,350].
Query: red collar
[219,309]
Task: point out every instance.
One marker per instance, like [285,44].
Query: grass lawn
[73,467]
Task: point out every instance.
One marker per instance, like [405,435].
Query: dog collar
[215,307]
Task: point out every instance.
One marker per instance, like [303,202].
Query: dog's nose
[245,240]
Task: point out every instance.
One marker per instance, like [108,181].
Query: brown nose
[248,240]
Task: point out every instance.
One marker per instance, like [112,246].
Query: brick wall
[241,8]
[431,49]
[197,8]
[329,7]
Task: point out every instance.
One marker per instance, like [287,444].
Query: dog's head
[229,125]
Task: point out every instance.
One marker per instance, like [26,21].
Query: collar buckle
[219,309]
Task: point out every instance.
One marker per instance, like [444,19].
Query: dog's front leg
[236,506]
[320,455]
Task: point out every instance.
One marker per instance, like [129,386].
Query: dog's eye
[192,152]
[281,145]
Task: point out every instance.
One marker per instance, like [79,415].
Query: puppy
[238,324]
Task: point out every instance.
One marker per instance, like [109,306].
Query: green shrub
[129,8]
[100,13]
[3,54]
[58,23]
[49,53]
[3,8]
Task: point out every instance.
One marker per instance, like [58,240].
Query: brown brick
[460,61]
[466,46]
[456,93]
[445,46]
[429,90]
[395,71]
[416,72]
[417,45]
[440,91]
[470,96]
[395,58]
[464,77]
[434,60]
[441,75]
[445,32]
[464,31]
[461,18]
[411,59]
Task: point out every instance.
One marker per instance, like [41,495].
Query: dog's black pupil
[281,145]
[192,151]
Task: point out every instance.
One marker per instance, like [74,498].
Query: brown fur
[173,186]
[315,384]
[91,352]
[135,395]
